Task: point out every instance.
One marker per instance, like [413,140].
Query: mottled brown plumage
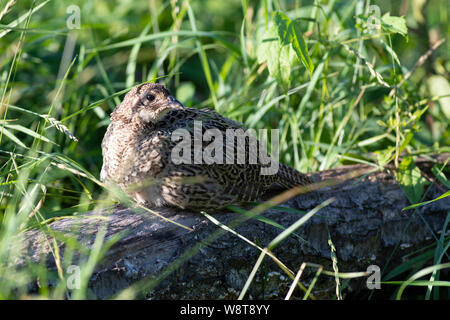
[137,155]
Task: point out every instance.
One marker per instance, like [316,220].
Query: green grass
[338,93]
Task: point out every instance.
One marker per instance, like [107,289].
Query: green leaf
[277,56]
[384,156]
[406,141]
[417,114]
[10,135]
[267,220]
[283,23]
[410,179]
[394,24]
[300,47]
[440,175]
[279,45]
[289,33]
[442,196]
[27,131]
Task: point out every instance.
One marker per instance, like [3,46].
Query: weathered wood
[365,222]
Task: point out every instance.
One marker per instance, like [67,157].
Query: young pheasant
[144,155]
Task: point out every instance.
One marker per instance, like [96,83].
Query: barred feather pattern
[137,155]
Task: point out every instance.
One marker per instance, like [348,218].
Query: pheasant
[144,155]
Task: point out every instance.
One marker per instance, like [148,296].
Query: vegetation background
[344,81]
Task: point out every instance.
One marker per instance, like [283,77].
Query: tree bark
[365,223]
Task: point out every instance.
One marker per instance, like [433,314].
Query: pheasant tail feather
[288,177]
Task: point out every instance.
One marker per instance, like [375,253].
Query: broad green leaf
[410,179]
[300,47]
[443,179]
[277,56]
[289,33]
[282,23]
[394,24]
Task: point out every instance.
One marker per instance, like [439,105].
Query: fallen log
[365,223]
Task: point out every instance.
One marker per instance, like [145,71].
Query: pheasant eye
[150,97]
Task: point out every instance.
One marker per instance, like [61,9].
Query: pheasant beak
[174,103]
